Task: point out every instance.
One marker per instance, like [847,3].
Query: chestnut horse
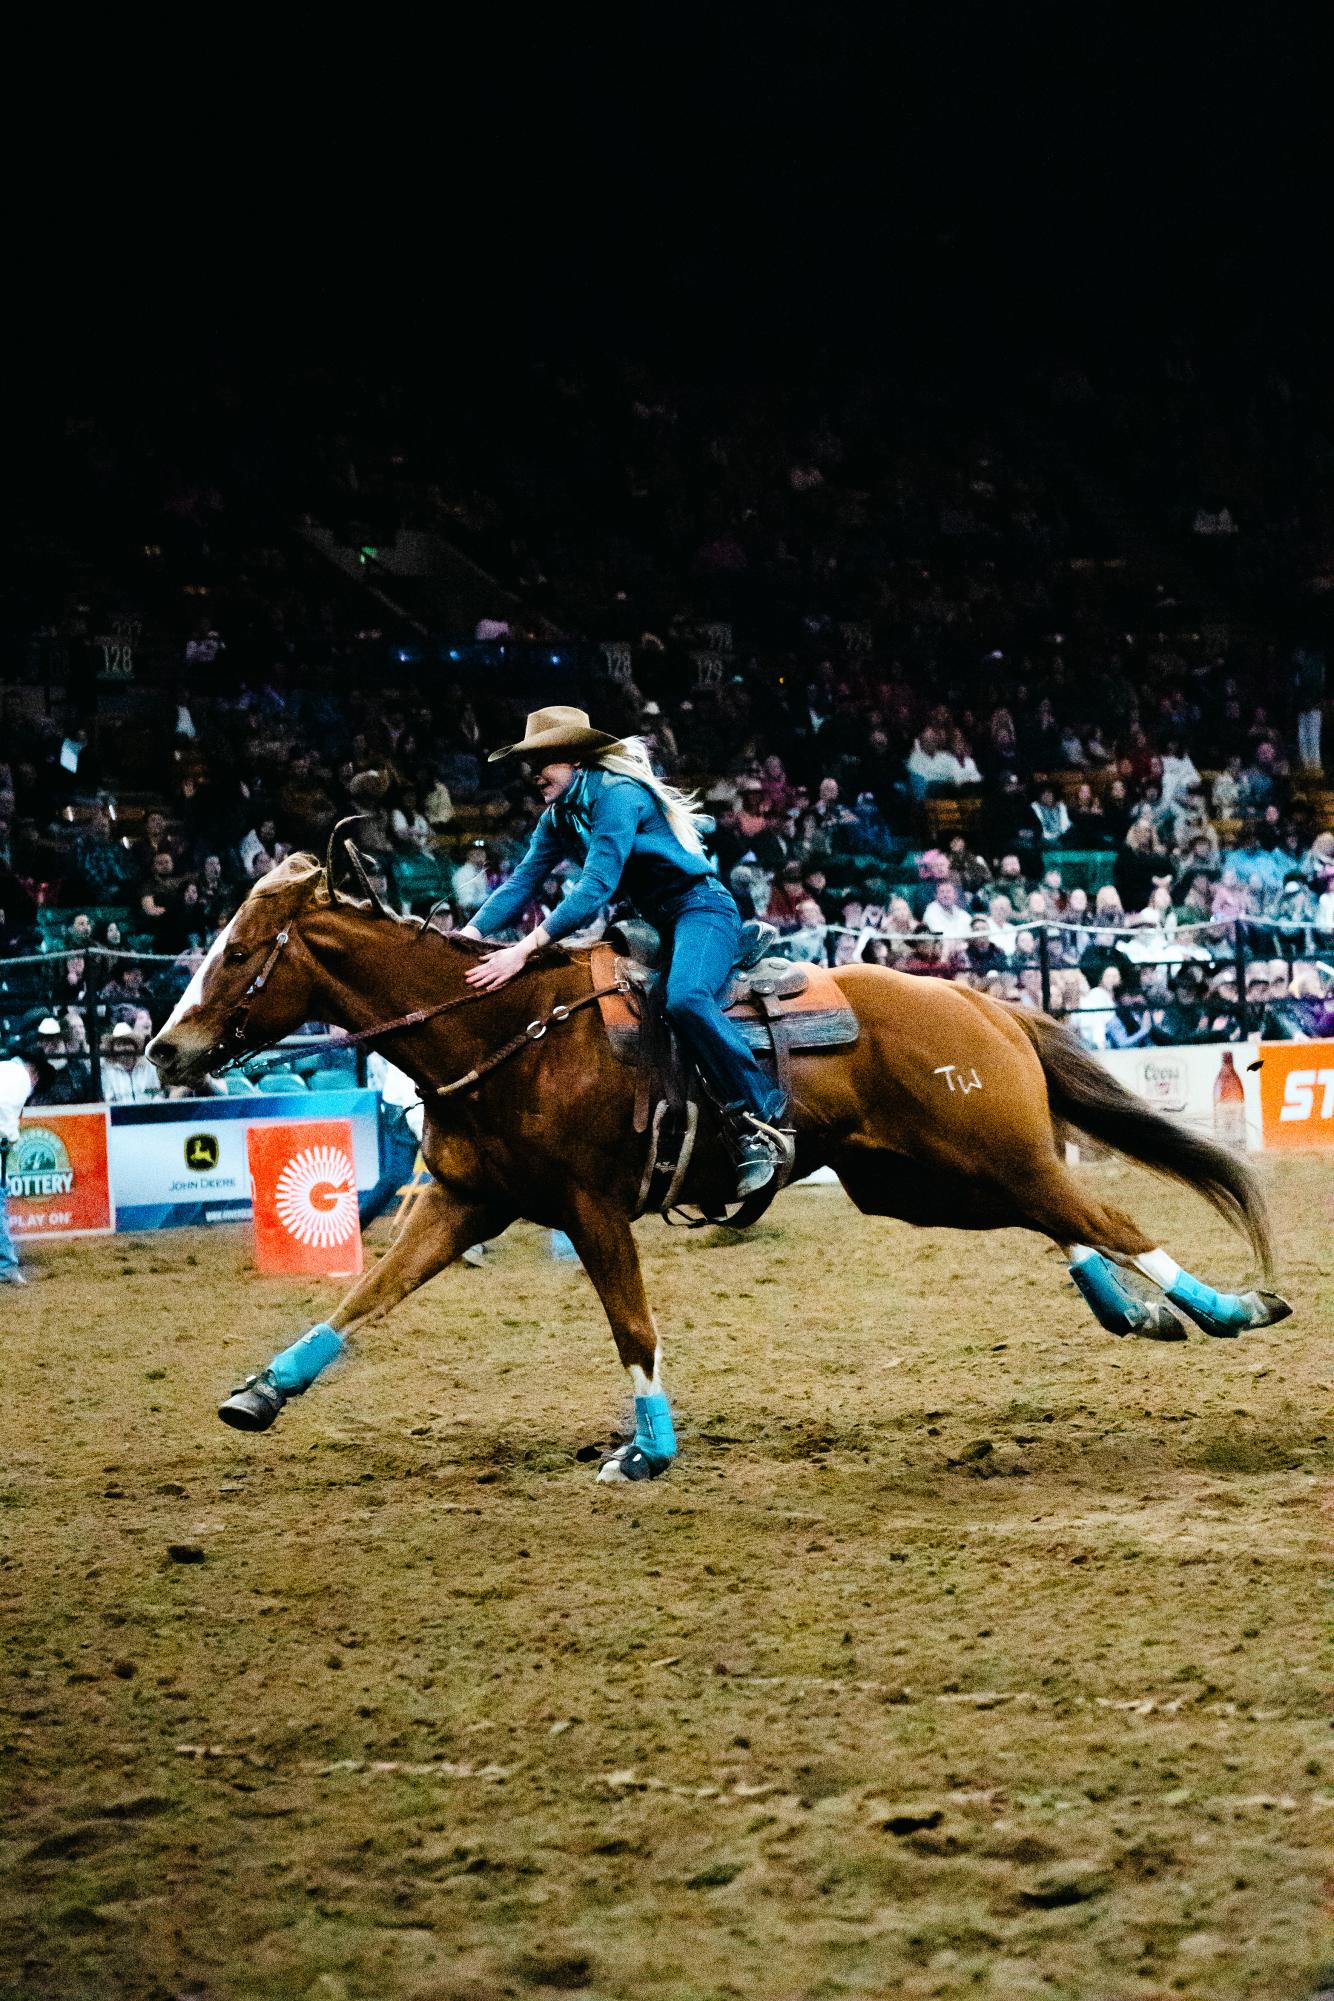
[949,1109]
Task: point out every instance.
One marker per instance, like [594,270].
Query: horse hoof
[254,1406]
[630,1463]
[1269,1308]
[1160,1324]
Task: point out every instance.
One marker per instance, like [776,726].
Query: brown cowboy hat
[558,729]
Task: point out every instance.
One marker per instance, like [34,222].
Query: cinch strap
[298,1366]
[653,1426]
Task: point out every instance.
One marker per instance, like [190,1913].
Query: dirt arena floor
[967,1651]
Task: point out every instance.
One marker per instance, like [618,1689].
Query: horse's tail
[1086,1096]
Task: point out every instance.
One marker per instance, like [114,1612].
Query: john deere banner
[184,1160]
[57,1179]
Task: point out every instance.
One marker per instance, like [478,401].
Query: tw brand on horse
[949,1107]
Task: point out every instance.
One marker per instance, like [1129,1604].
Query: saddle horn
[341,838]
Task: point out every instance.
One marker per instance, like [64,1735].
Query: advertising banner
[1212,1086]
[305,1197]
[1297,1093]
[183,1160]
[58,1181]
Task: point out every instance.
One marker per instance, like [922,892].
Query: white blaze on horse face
[194,992]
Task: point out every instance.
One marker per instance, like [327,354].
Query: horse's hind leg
[1223,1314]
[1121,1312]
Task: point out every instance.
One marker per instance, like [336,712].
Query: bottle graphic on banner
[1229,1104]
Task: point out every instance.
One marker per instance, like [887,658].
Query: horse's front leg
[605,1242]
[443,1223]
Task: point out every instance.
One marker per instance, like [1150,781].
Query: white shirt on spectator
[130,1087]
[940,767]
[1324,911]
[470,888]
[947,923]
[1178,773]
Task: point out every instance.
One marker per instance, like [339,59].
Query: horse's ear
[340,839]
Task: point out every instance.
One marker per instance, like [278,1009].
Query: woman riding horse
[636,836]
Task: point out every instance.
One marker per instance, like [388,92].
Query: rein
[234,1033]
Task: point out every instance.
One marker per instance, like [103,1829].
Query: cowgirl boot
[758,1150]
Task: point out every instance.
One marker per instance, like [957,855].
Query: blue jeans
[704,927]
[9,1257]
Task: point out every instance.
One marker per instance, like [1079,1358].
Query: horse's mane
[476,948]
[291,871]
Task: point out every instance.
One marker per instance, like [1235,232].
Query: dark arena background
[925,445]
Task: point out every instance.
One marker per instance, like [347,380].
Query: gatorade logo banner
[304,1190]
[1297,1093]
[56,1173]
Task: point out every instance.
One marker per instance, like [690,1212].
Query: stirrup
[761,1152]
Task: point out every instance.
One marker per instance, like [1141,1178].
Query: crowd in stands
[937,716]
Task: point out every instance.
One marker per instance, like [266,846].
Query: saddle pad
[817,1018]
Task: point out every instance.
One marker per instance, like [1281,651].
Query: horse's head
[254,985]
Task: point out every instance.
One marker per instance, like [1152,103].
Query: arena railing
[1240,943]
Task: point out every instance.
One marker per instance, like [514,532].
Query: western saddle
[778,1004]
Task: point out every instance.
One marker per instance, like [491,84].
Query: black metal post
[91,1026]
[1239,960]
[1044,961]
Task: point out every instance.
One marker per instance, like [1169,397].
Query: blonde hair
[630,759]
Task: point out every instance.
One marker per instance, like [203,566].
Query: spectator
[946,914]
[128,1078]
[475,879]
[1141,865]
[1052,817]
[67,1080]
[409,829]
[807,940]
[1088,823]
[20,1076]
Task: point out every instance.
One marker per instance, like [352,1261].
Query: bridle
[233,1029]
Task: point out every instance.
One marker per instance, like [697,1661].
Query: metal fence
[1234,944]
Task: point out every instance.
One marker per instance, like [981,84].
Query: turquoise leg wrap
[298,1366]
[1113,1306]
[653,1427]
[1224,1309]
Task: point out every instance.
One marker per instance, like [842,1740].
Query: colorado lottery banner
[305,1197]
[57,1178]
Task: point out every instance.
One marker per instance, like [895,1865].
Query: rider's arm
[615,823]
[504,904]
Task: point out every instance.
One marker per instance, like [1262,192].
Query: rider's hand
[499,967]
[468,931]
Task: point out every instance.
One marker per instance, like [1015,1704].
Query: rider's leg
[704,946]
[705,937]
[604,1241]
[440,1226]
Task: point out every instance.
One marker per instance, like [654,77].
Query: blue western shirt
[615,827]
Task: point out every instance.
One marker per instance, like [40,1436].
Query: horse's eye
[238,953]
